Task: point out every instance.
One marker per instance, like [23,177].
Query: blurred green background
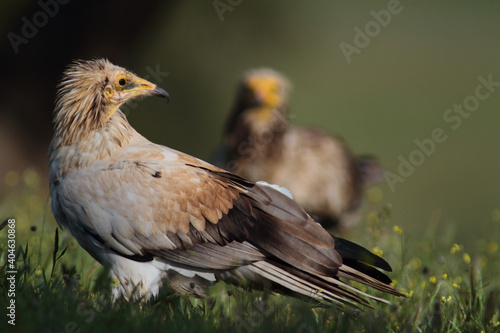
[394,91]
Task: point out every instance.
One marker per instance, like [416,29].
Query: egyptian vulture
[155,215]
[325,178]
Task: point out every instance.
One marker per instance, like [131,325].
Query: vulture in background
[318,168]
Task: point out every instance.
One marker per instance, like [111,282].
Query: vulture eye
[122,82]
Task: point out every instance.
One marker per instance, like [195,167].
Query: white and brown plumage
[152,213]
[318,168]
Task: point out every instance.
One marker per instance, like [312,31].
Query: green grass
[60,288]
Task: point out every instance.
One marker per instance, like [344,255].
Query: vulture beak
[141,87]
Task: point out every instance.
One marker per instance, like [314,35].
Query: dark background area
[393,92]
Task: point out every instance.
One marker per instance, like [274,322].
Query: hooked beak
[141,87]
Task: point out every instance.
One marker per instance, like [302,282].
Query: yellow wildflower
[377,251]
[397,229]
[432,279]
[466,258]
[455,248]
[444,276]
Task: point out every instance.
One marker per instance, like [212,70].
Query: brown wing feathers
[283,229]
[213,257]
[305,255]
